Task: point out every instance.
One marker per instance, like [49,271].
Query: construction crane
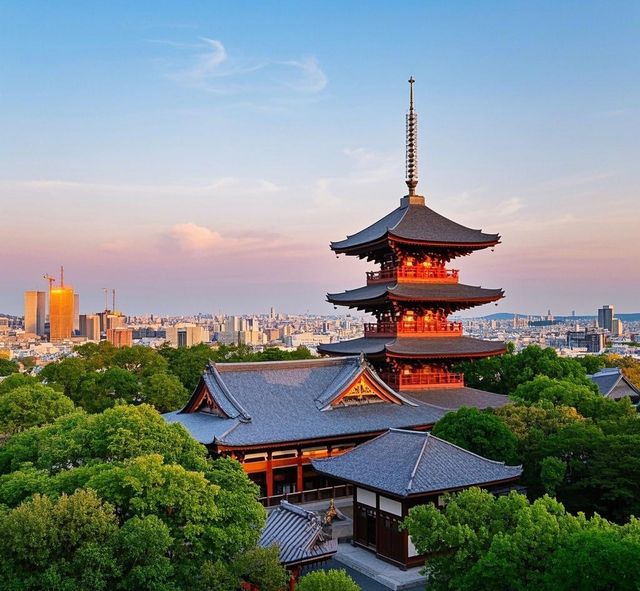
[50,279]
[106,298]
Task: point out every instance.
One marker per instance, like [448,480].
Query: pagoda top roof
[415,223]
[411,463]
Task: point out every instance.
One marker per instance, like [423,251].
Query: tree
[330,580]
[552,473]
[117,434]
[164,391]
[483,542]
[480,432]
[568,393]
[505,373]
[261,567]
[7,367]
[140,360]
[31,406]
[597,560]
[66,373]
[187,363]
[96,355]
[592,363]
[75,543]
[183,521]
[15,380]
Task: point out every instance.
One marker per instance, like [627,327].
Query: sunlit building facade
[61,313]
[34,311]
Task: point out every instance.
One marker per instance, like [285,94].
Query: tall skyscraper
[605,317]
[76,312]
[61,311]
[90,326]
[34,311]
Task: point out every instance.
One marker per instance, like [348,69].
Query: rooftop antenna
[412,144]
[113,294]
[106,298]
[61,276]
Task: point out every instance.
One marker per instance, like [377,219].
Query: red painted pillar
[299,482]
[269,475]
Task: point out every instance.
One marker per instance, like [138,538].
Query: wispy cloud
[206,65]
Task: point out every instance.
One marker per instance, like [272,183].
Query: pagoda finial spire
[412,144]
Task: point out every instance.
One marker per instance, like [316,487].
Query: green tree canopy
[66,373]
[568,393]
[164,391]
[481,542]
[505,373]
[480,432]
[329,580]
[31,406]
[74,543]
[117,434]
[139,360]
[7,367]
[16,380]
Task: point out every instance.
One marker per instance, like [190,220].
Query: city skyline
[194,170]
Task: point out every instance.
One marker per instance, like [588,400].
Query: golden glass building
[61,313]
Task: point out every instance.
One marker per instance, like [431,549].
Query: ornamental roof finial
[412,144]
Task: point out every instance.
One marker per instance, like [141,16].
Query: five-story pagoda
[412,344]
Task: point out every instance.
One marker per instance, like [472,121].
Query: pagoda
[413,344]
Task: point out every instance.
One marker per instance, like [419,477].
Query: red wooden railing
[414,273]
[419,379]
[413,328]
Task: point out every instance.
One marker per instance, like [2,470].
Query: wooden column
[299,480]
[269,475]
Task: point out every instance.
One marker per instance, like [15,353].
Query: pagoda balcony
[414,274]
[422,380]
[413,328]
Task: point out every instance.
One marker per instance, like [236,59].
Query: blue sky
[199,156]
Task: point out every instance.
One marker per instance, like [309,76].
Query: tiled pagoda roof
[416,223]
[457,295]
[407,463]
[419,348]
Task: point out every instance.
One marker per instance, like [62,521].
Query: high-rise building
[90,326]
[605,317]
[76,312]
[617,328]
[591,340]
[61,307]
[186,335]
[35,303]
[120,336]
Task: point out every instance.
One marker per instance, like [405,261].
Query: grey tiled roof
[423,292]
[439,347]
[417,223]
[455,398]
[298,533]
[287,401]
[404,463]
[444,347]
[612,383]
